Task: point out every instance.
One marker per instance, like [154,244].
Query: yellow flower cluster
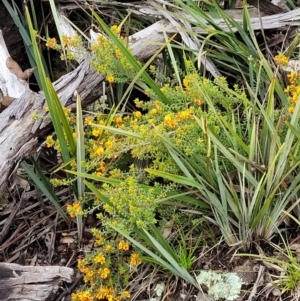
[169,120]
[83,296]
[99,259]
[116,29]
[70,48]
[51,43]
[118,121]
[50,141]
[135,259]
[100,170]
[100,270]
[123,245]
[281,60]
[71,41]
[293,89]
[75,209]
[109,60]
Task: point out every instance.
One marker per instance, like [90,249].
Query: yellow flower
[100,151]
[169,121]
[153,111]
[157,105]
[49,141]
[51,43]
[183,114]
[102,166]
[99,259]
[118,120]
[137,114]
[108,248]
[117,53]
[82,296]
[75,209]
[96,132]
[110,79]
[99,242]
[294,98]
[135,259]
[115,29]
[185,82]
[198,101]
[123,245]
[125,295]
[291,110]
[281,60]
[109,144]
[88,120]
[104,273]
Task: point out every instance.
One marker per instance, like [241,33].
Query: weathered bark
[31,283]
[266,7]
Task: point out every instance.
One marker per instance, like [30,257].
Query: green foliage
[131,206]
[42,183]
[142,74]
[108,59]
[60,123]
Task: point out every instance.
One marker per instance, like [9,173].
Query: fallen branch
[34,283]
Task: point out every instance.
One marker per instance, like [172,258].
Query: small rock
[276,292]
[204,297]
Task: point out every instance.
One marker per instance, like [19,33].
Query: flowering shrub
[112,154]
[175,121]
[130,205]
[107,270]
[108,60]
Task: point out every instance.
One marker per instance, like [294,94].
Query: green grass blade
[174,178]
[27,41]
[80,162]
[175,269]
[119,131]
[43,184]
[80,146]
[54,105]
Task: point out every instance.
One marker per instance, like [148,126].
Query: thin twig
[256,284]
[9,221]
[70,289]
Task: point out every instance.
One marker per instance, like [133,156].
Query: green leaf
[43,184]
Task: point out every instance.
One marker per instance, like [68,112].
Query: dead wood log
[31,283]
